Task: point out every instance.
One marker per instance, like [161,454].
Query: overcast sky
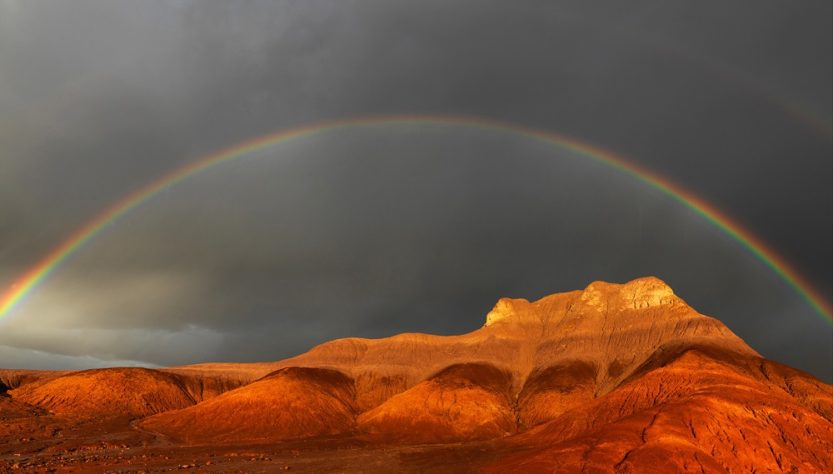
[391,228]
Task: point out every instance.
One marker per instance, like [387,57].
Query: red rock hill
[612,378]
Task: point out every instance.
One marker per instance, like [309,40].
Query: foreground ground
[115,446]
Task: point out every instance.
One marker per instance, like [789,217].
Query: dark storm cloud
[394,229]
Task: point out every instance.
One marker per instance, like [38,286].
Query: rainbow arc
[39,272]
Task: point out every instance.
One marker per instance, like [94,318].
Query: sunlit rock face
[463,402]
[611,378]
[133,392]
[613,328]
[287,404]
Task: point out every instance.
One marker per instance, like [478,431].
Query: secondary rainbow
[39,272]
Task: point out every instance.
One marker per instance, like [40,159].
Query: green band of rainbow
[27,282]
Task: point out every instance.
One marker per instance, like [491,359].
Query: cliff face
[615,377]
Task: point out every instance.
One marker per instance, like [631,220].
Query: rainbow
[36,275]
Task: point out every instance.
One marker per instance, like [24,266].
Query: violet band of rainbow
[25,284]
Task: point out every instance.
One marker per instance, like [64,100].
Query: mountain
[612,378]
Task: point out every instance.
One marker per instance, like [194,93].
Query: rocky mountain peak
[640,293]
[507,309]
[598,297]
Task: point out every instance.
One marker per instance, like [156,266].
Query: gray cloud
[23,357]
[395,228]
